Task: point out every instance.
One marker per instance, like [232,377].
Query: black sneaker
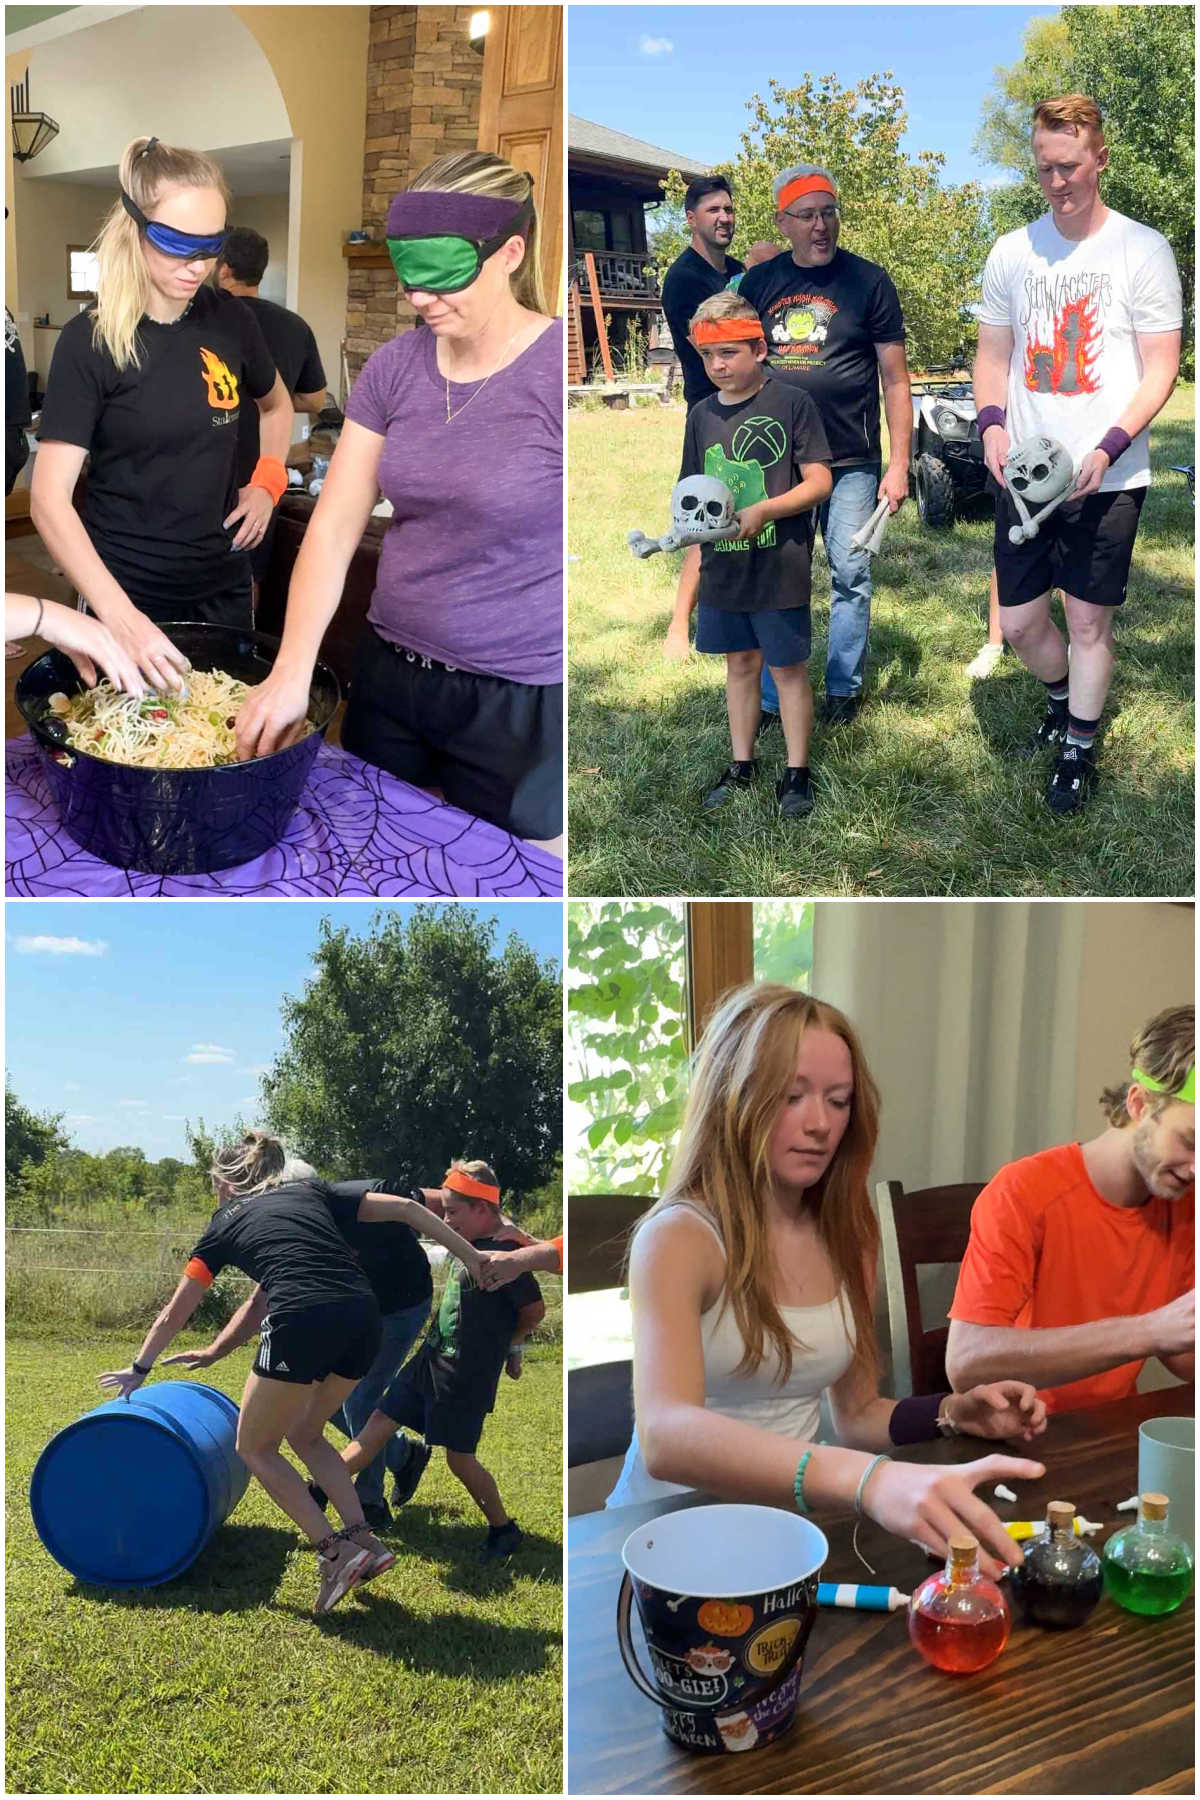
[406,1478]
[501,1542]
[737,775]
[377,1515]
[794,790]
[841,709]
[1073,779]
[767,721]
[1051,734]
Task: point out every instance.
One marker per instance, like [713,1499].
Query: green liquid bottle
[1147,1568]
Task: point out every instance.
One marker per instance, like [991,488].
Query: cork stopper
[1060,1515]
[963,1550]
[1154,1506]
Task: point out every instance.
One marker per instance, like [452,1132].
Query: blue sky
[131,1017]
[679,76]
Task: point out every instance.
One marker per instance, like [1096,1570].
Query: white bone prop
[1039,472]
[869,537]
[702,512]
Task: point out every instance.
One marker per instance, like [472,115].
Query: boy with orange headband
[447,1390]
[764,439]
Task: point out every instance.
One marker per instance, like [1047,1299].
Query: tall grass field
[442,1676]
[923,794]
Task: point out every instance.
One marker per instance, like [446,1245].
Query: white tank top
[826,1333]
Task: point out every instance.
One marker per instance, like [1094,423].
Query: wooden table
[1107,1709]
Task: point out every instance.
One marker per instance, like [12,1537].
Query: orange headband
[724,331]
[459,1182]
[804,184]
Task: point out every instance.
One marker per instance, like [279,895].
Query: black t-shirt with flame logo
[162,439]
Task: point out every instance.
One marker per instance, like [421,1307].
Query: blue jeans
[400,1332]
[854,498]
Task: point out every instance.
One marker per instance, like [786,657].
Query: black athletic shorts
[1085,548]
[493,747]
[409,1399]
[339,1338]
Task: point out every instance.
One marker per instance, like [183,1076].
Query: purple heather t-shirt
[471,569]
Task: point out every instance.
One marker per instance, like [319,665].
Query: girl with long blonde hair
[148,383]
[458,679]
[752,1282]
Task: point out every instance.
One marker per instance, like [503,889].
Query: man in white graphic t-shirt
[1079,338]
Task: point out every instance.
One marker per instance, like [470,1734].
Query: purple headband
[426,212]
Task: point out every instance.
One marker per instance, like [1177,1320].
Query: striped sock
[1081,732]
[1056,694]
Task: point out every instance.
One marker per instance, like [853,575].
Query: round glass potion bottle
[1147,1568]
[1060,1580]
[959,1620]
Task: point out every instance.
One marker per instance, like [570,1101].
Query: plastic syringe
[856,1594]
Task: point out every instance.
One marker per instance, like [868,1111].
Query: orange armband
[270,473]
[199,1271]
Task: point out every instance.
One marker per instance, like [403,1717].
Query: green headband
[1186,1092]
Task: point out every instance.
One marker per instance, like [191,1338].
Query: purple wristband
[1114,443]
[991,415]
[914,1421]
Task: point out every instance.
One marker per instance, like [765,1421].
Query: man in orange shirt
[1081,1262]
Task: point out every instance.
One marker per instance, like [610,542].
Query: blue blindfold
[184,244]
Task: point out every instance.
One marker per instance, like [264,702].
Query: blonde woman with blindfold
[457,680]
[148,383]
[752,1282]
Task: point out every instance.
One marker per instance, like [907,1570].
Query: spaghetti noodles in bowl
[192,730]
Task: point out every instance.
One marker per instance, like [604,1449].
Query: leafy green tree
[783,942]
[29,1137]
[1138,65]
[896,210]
[417,1043]
[626,1026]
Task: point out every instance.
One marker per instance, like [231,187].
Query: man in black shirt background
[699,271]
[290,340]
[833,324]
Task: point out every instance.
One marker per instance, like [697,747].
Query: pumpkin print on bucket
[725,1618]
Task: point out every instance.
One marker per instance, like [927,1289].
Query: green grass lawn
[922,795]
[443,1677]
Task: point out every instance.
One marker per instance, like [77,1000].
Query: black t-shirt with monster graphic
[163,445]
[758,448]
[822,326]
[469,1338]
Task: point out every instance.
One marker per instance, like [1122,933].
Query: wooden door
[521,115]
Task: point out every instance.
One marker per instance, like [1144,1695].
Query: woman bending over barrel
[752,1283]
[318,1340]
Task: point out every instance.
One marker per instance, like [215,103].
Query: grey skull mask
[702,512]
[1040,475]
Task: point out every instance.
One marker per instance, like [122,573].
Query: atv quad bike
[946,468]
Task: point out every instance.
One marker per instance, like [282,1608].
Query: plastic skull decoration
[702,512]
[1040,475]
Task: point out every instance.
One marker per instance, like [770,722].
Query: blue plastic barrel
[129,1494]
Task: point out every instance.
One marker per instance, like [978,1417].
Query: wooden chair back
[929,1225]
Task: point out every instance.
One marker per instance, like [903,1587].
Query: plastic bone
[869,537]
[1038,473]
[702,512]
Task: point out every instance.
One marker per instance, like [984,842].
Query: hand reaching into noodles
[161,662]
[120,1383]
[273,715]
[254,509]
[929,1505]
[88,643]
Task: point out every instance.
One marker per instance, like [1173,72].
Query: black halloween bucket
[727,1596]
[177,821]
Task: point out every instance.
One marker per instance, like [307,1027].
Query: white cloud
[996,181]
[71,1087]
[61,946]
[255,1069]
[80,1119]
[209,1053]
[139,1105]
[175,1118]
[652,46]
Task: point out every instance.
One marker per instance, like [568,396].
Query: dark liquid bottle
[1060,1580]
[1147,1568]
[959,1620]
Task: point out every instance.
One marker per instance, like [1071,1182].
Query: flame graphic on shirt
[1067,365]
[220,380]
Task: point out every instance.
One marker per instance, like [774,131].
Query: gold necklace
[462,409]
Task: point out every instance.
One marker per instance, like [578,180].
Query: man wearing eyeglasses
[833,323]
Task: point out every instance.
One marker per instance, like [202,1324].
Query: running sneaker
[339,1573]
[1051,734]
[501,1542]
[794,790]
[381,1558]
[737,775]
[841,709]
[1073,779]
[984,661]
[406,1475]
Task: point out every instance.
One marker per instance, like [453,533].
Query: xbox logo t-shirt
[758,448]
[822,326]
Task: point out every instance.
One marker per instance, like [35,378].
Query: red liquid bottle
[959,1620]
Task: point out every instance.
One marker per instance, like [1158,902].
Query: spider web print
[357,831]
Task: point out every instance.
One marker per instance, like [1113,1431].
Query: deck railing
[624,275]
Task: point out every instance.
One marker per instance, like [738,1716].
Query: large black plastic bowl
[177,821]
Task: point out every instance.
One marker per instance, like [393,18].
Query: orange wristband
[270,473]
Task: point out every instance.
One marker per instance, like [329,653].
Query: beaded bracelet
[798,1484]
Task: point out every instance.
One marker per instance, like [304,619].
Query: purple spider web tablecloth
[356,831]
